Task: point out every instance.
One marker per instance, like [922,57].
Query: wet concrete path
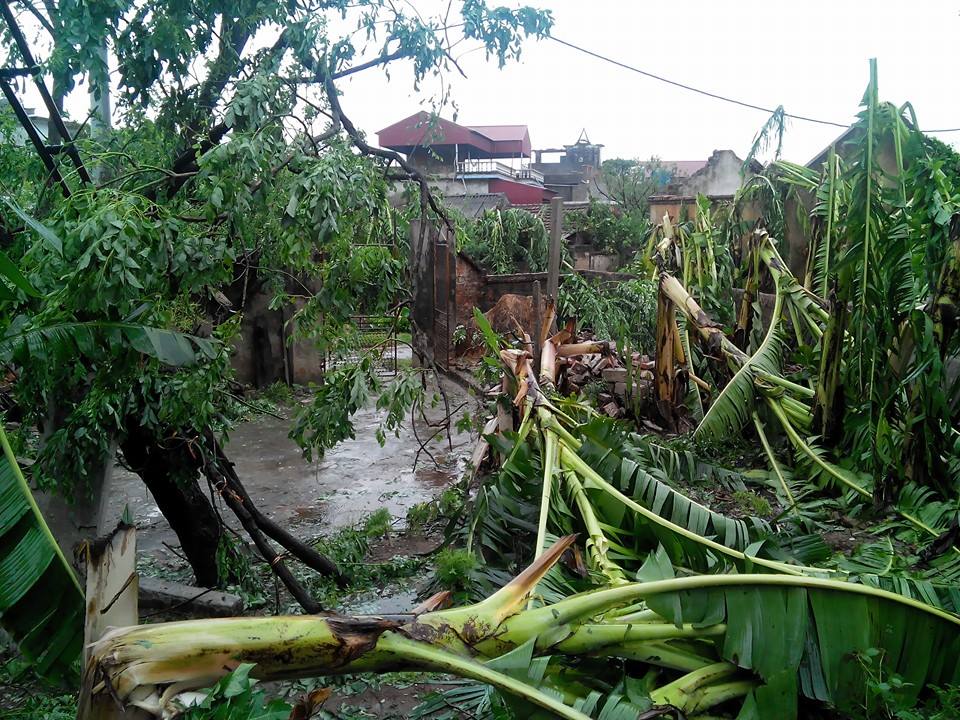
[352,480]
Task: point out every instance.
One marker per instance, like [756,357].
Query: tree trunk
[828,407]
[170,470]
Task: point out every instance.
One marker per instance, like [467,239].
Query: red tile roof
[486,141]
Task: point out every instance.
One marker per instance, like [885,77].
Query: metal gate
[444,296]
[376,338]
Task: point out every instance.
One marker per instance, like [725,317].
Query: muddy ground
[352,480]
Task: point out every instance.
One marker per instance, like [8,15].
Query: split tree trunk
[170,470]
[665,361]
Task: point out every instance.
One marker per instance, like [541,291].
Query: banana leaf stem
[549,421]
[679,692]
[525,425]
[597,544]
[549,470]
[572,461]
[448,662]
[593,636]
[773,462]
[839,475]
[773,379]
[665,654]
[592,603]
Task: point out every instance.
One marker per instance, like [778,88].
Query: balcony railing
[493,167]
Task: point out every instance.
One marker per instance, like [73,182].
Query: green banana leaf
[819,638]
[41,602]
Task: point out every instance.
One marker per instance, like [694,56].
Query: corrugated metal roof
[501,133]
[424,130]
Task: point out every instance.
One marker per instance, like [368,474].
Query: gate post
[422,241]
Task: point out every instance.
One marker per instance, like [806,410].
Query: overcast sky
[811,56]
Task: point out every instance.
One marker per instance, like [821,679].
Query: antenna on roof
[583,137]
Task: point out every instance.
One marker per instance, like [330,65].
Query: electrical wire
[709,94]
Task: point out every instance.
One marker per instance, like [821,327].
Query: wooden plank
[111,599]
[535,330]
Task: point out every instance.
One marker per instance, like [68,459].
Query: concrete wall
[262,354]
[677,207]
[586,258]
[720,176]
[465,186]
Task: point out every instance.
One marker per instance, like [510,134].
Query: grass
[24,696]
[752,504]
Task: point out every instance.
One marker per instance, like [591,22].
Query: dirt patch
[404,544]
[385,702]
[510,310]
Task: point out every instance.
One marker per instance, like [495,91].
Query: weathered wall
[262,354]
[676,206]
[471,289]
[720,176]
[258,357]
[465,186]
[586,258]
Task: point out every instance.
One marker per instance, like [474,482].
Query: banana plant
[758,381]
[561,462]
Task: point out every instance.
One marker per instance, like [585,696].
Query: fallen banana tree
[41,602]
[626,511]
[705,641]
[758,380]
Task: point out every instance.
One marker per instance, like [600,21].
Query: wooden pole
[553,258]
[422,241]
[537,323]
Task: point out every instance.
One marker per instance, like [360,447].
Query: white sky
[810,55]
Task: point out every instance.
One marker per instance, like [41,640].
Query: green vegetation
[118,317]
[611,229]
[505,241]
[619,309]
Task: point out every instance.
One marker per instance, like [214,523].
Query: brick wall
[471,286]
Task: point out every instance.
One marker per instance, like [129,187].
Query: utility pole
[553,258]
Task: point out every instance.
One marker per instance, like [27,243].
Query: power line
[707,93]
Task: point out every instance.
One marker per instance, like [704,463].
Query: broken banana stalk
[156,668]
[555,436]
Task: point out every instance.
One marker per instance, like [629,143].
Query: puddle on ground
[352,480]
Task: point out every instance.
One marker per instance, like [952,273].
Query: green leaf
[11,272]
[489,335]
[41,603]
[45,233]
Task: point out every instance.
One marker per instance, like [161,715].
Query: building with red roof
[469,159]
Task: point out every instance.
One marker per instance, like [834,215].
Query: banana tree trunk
[741,336]
[665,366]
[946,304]
[829,402]
[710,332]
